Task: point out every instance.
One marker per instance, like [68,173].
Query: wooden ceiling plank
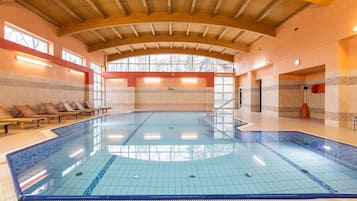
[169,6]
[99,35]
[162,17]
[144,47]
[68,10]
[146,6]
[198,47]
[223,51]
[165,38]
[152,29]
[222,34]
[170,29]
[268,10]
[205,31]
[193,7]
[216,8]
[117,33]
[121,7]
[134,30]
[241,9]
[201,52]
[320,2]
[188,29]
[184,46]
[131,48]
[157,45]
[38,12]
[117,50]
[96,8]
[256,40]
[235,39]
[210,49]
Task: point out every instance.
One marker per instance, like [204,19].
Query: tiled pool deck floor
[19,138]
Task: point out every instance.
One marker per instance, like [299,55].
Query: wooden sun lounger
[103,109]
[80,107]
[28,112]
[69,108]
[5,116]
[51,109]
[5,125]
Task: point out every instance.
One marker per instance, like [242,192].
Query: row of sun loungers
[26,114]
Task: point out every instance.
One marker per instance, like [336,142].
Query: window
[22,37]
[72,57]
[97,85]
[170,63]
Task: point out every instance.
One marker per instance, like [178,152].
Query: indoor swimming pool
[181,155]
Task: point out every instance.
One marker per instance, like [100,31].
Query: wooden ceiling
[122,28]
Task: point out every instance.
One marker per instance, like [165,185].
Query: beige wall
[291,96]
[118,95]
[24,83]
[170,94]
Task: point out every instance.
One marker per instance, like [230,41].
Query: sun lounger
[80,107]
[28,112]
[5,116]
[5,125]
[103,109]
[69,108]
[51,109]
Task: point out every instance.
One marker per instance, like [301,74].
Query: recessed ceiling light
[355,28]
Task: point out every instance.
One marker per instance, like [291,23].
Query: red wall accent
[5,44]
[131,76]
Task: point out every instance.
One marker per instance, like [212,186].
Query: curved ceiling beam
[137,18]
[166,38]
[216,55]
[320,2]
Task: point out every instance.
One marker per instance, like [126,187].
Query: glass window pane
[228,80]
[167,63]
[228,96]
[218,80]
[18,36]
[72,57]
[228,88]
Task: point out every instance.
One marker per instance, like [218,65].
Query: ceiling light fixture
[152,80]
[75,72]
[33,61]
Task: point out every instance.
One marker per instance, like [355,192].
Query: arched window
[170,63]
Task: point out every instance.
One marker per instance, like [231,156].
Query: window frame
[83,61]
[191,63]
[49,44]
[98,94]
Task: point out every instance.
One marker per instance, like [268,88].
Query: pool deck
[19,138]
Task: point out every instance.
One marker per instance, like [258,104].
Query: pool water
[181,155]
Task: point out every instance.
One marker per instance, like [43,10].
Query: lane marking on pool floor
[136,129]
[99,176]
[308,174]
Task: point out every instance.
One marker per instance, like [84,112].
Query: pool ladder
[227,112]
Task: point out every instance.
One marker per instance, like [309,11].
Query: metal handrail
[224,104]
